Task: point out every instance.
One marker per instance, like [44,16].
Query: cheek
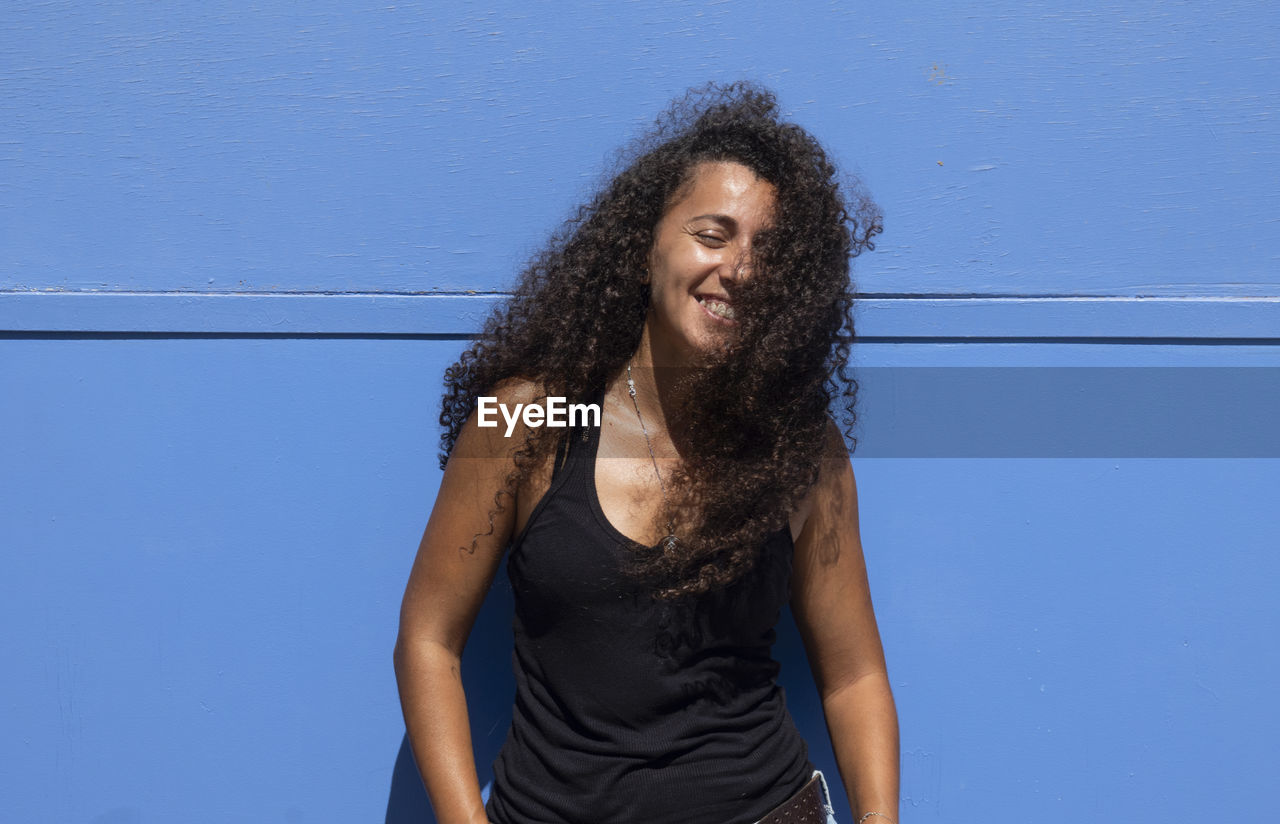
[662,274]
[677,268]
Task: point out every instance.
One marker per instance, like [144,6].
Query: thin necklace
[670,540]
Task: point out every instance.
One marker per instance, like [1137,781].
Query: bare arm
[831,601]
[445,590]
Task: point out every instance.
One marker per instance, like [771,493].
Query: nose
[737,265]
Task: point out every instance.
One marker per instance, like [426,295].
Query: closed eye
[712,240]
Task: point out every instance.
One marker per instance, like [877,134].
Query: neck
[656,374]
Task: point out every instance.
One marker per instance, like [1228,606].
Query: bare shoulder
[501,438]
[836,477]
[517,389]
[487,441]
[835,480]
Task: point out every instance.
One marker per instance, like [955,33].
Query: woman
[701,301]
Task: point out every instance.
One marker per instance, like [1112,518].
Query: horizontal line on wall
[450,315]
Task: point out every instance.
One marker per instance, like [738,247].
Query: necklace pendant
[669,543]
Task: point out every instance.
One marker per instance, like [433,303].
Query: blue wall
[238,246]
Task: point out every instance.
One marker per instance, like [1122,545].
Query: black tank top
[629,709]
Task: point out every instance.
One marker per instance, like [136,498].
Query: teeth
[719,308]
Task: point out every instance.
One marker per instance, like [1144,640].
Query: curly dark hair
[763,401]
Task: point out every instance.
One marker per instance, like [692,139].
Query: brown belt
[805,807]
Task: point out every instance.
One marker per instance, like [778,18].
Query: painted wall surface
[206,541]
[419,147]
[240,243]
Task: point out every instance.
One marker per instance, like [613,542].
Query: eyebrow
[725,219]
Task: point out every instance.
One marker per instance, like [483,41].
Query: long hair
[760,404]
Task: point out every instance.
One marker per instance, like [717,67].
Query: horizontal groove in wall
[450,315]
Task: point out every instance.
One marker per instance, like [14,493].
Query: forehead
[725,187]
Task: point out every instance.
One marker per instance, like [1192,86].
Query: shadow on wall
[408,800]
[490,686]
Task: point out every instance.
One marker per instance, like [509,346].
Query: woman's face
[701,250]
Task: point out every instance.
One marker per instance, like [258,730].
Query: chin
[708,345]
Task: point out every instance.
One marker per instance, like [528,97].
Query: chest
[631,489]
[630,476]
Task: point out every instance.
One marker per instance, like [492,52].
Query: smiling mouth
[716,308]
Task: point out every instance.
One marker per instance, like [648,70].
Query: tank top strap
[577,449]
[572,468]
[562,455]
